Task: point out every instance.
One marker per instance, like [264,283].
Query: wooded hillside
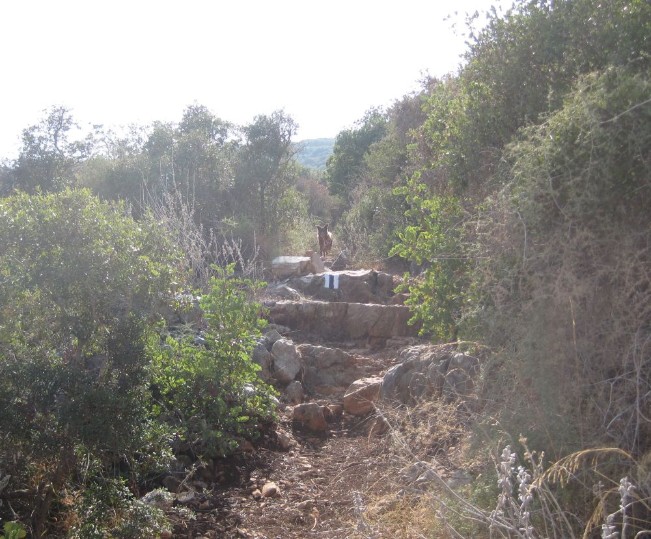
[515,195]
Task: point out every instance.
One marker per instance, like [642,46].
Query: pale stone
[294,392]
[289,266]
[270,490]
[286,360]
[361,395]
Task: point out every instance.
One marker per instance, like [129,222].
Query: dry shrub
[203,248]
[564,281]
[430,433]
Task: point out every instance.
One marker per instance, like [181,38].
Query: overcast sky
[119,62]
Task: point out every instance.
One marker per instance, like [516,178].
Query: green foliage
[265,168]
[346,163]
[529,212]
[72,266]
[106,508]
[368,228]
[80,283]
[210,389]
[13,530]
[379,150]
[519,67]
[48,158]
[434,240]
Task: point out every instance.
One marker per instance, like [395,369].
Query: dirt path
[320,480]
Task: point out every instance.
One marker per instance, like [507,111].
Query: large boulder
[310,415]
[382,321]
[460,376]
[290,266]
[352,286]
[360,397]
[294,392]
[328,367]
[286,360]
[430,371]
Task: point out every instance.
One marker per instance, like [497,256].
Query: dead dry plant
[203,249]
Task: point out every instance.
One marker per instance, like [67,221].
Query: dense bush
[529,229]
[81,288]
[434,241]
[80,281]
[565,292]
[208,386]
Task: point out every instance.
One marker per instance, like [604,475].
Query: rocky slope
[339,356]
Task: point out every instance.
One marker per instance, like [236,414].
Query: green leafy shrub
[433,239]
[13,530]
[107,508]
[80,283]
[209,386]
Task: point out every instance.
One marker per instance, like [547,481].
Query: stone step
[350,286]
[341,321]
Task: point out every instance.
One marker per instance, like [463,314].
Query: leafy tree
[203,161]
[265,167]
[159,148]
[49,158]
[119,168]
[521,66]
[346,164]
[375,211]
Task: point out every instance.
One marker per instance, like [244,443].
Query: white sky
[120,62]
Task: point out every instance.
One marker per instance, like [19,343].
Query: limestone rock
[354,286]
[288,266]
[317,263]
[282,291]
[361,395]
[270,489]
[427,371]
[341,262]
[294,392]
[335,410]
[310,415]
[325,367]
[270,337]
[285,440]
[286,360]
[344,321]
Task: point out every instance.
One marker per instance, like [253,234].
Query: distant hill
[314,153]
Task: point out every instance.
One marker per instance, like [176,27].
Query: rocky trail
[338,342]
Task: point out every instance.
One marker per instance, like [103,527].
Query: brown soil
[322,483]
